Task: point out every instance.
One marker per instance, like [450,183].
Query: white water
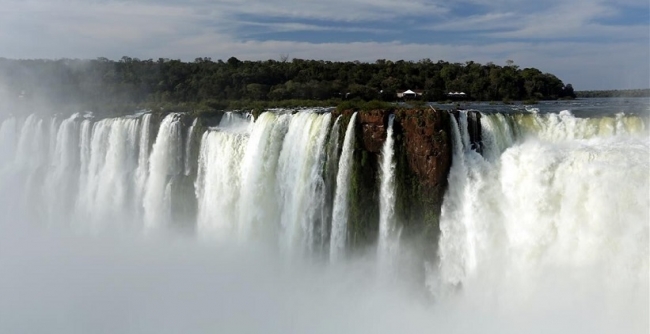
[237,122]
[218,182]
[259,170]
[264,181]
[546,233]
[60,181]
[142,171]
[301,185]
[554,220]
[388,243]
[188,147]
[106,191]
[331,170]
[165,162]
[338,236]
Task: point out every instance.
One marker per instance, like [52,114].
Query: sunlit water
[546,231]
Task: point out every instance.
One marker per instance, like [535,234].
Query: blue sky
[593,44]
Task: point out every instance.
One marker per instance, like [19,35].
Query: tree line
[133,81]
[614,93]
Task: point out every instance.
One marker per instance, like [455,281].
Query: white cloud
[565,20]
[293,26]
[76,29]
[489,21]
[332,10]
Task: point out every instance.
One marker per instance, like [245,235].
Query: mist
[572,259]
[60,282]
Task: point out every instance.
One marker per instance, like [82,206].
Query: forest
[613,93]
[103,83]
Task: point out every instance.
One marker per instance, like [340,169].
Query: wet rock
[427,144]
[373,129]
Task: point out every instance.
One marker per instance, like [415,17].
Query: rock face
[423,159]
[373,129]
[427,144]
[422,134]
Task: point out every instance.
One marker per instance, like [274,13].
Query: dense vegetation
[101,82]
[614,93]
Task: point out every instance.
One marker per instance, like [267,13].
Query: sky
[592,44]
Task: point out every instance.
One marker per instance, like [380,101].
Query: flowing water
[188,147]
[546,230]
[388,243]
[557,205]
[340,209]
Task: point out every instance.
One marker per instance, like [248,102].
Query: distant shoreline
[613,93]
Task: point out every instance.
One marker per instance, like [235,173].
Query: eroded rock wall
[423,159]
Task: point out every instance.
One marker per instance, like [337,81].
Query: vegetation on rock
[614,93]
[104,84]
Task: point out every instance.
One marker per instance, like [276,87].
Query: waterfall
[546,228]
[53,132]
[62,176]
[91,177]
[388,243]
[566,198]
[188,147]
[284,178]
[218,182]
[31,157]
[456,232]
[264,180]
[108,160]
[84,151]
[331,169]
[164,162]
[239,122]
[261,206]
[31,150]
[141,172]
[340,209]
[300,179]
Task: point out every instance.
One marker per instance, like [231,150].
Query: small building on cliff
[409,94]
[457,95]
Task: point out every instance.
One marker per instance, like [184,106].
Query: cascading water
[31,156]
[165,162]
[559,203]
[60,181]
[188,147]
[388,243]
[218,182]
[331,169]
[31,150]
[142,170]
[340,208]
[551,217]
[53,131]
[105,197]
[240,122]
[258,173]
[267,178]
[300,179]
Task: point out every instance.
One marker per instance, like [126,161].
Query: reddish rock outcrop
[423,158]
[373,129]
[425,138]
[427,144]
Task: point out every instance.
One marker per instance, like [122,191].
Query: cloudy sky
[593,44]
